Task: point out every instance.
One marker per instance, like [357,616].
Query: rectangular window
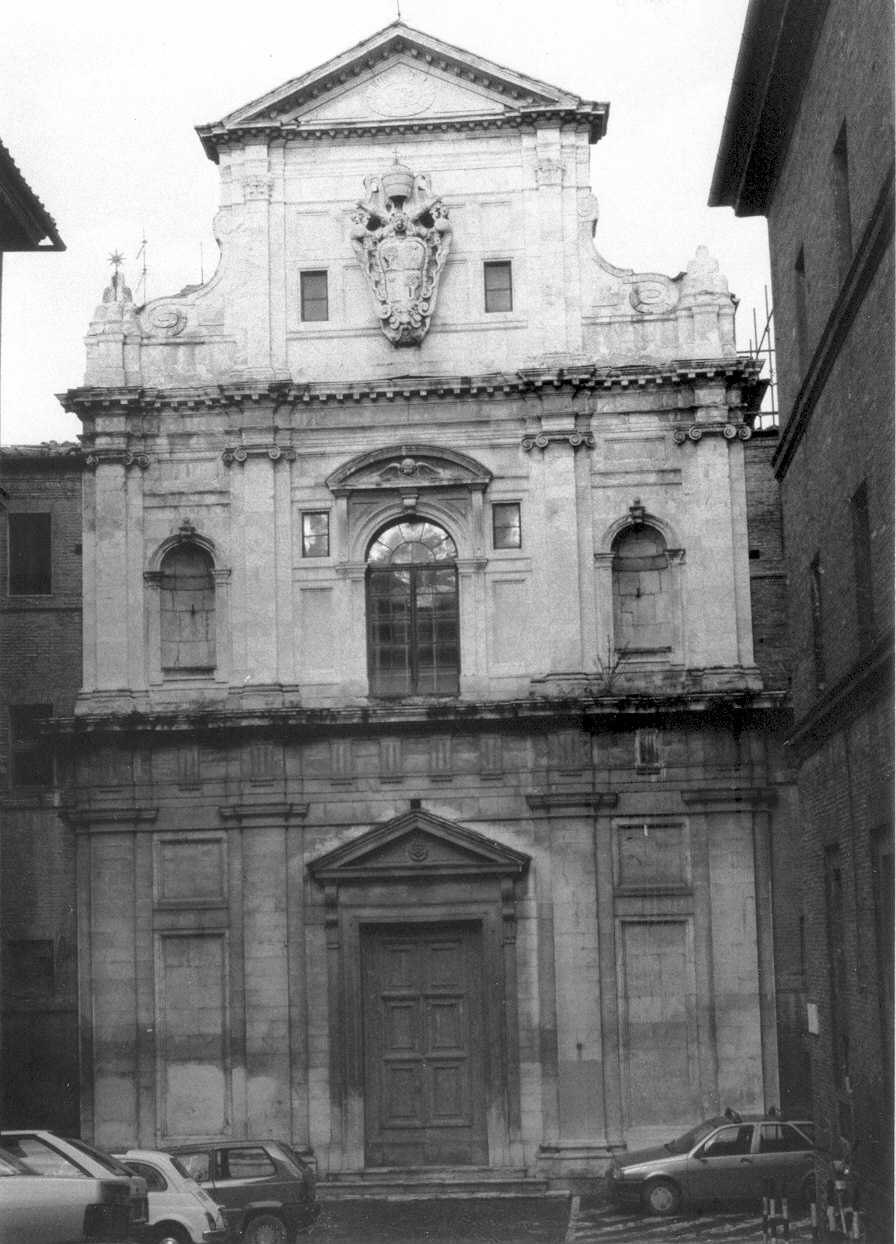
[840,195]
[316,534]
[815,573]
[801,310]
[315,304]
[882,881]
[498,287]
[30,552]
[836,929]
[31,752]
[506,529]
[861,553]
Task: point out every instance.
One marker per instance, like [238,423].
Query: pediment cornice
[507,97]
[419,845]
[417,466]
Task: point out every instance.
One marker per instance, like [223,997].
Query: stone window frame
[675,654]
[158,676]
[364,508]
[303,300]
[495,265]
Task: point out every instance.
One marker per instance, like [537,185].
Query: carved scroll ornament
[401,235]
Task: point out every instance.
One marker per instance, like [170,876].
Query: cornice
[773,65]
[587,116]
[446,714]
[875,239]
[490,386]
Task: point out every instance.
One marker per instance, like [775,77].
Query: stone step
[427,1183]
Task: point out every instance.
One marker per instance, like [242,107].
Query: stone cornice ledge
[561,802]
[108,816]
[248,812]
[749,796]
[495,385]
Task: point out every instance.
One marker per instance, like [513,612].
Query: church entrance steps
[425,1183]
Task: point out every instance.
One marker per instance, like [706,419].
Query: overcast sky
[98,100]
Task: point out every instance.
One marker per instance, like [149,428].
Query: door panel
[424,1089]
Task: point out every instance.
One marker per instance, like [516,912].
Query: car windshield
[686,1142]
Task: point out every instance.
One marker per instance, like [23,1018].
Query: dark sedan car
[730,1158]
[267,1192]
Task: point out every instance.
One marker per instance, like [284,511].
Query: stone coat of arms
[401,235]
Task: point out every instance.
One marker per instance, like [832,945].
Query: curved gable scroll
[418,845]
[408,466]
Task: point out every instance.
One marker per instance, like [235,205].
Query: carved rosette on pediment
[401,235]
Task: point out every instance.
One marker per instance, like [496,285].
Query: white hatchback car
[180,1212]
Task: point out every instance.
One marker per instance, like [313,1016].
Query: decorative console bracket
[542,440]
[273,452]
[696,431]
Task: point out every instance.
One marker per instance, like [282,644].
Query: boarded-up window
[188,610]
[657,1003]
[192,1004]
[30,555]
[642,596]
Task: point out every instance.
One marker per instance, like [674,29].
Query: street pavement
[479,1220]
[529,1220]
[595,1221]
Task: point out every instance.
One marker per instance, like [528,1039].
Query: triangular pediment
[418,844]
[398,74]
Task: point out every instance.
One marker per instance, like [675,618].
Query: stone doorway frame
[421,869]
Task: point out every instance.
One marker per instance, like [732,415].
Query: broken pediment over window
[418,844]
[408,466]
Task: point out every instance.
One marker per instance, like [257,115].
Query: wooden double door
[424,1089]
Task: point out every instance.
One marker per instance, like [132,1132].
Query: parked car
[730,1158]
[180,1212]
[62,1208]
[267,1192]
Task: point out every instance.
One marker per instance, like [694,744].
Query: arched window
[412,617]
[642,591]
[188,610]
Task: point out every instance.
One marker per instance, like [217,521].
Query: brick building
[425,775]
[812,149]
[26,226]
[40,677]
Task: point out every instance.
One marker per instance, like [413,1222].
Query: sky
[99,100]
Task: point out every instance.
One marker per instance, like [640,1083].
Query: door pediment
[408,466]
[418,845]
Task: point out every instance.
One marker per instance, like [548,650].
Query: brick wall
[40,663]
[768,585]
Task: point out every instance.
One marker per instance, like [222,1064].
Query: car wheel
[169,1234]
[266,1229]
[662,1197]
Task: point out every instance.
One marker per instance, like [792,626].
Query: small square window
[315,303]
[506,529]
[498,287]
[31,751]
[316,534]
[30,553]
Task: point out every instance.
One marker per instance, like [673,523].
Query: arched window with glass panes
[412,612]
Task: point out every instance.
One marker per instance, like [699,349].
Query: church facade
[425,779]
